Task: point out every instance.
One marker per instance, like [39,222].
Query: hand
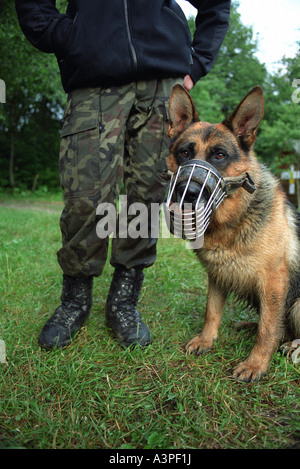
[188,83]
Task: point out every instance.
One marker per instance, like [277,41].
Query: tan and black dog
[252,244]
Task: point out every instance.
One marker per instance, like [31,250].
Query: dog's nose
[192,192]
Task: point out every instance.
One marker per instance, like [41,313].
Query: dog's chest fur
[234,274]
[231,253]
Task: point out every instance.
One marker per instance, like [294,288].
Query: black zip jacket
[113,42]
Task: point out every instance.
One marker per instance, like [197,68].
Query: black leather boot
[121,313]
[68,318]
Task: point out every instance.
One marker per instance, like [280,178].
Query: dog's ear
[245,119]
[182,111]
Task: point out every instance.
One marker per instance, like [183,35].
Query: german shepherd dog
[252,244]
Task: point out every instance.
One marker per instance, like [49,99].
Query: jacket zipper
[131,46]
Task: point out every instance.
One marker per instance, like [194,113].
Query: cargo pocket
[79,159]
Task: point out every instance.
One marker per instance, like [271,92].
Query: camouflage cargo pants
[111,137]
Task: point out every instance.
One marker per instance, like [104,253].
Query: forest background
[30,120]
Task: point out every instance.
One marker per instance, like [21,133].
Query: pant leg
[145,161]
[91,172]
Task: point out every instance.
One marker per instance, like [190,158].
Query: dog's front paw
[249,371]
[199,345]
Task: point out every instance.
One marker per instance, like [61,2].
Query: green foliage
[280,127]
[29,121]
[236,71]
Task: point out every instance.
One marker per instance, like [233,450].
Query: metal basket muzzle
[195,192]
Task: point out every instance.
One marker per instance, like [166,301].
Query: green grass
[94,394]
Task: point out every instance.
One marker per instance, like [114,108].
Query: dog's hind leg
[294,318]
[214,308]
[245,326]
[292,348]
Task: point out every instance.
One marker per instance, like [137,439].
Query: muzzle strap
[232,184]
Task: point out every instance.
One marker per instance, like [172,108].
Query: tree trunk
[34,184]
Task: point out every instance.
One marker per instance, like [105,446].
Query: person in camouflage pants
[118,62]
[110,136]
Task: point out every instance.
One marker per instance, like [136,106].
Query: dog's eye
[184,153]
[220,155]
